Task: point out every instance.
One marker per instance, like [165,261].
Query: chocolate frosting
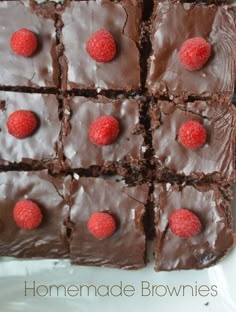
[175,23]
[39,146]
[125,248]
[206,248]
[39,70]
[81,20]
[49,239]
[77,145]
[216,155]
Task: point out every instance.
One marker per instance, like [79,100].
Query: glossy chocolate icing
[216,156]
[125,248]
[204,249]
[42,144]
[49,239]
[81,19]
[173,24]
[39,70]
[77,145]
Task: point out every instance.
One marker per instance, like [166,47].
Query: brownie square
[81,19]
[216,157]
[49,239]
[42,68]
[125,248]
[213,207]
[80,152]
[173,24]
[41,145]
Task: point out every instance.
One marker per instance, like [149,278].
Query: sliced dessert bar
[48,240]
[181,147]
[41,69]
[172,25]
[82,152]
[81,20]
[193,226]
[125,246]
[41,145]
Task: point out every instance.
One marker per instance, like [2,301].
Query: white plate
[25,286]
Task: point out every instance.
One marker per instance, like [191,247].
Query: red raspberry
[24,42]
[27,214]
[101,225]
[184,223]
[22,123]
[192,134]
[101,46]
[104,130]
[194,53]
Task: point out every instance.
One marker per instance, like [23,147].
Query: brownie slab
[81,19]
[174,23]
[215,157]
[80,152]
[49,239]
[42,68]
[213,207]
[125,248]
[42,145]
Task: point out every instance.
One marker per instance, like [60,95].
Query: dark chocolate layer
[77,145]
[206,248]
[216,156]
[38,70]
[49,239]
[125,248]
[81,20]
[175,23]
[42,144]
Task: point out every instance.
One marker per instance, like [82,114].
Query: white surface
[14,274]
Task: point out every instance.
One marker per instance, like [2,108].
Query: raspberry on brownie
[203,235]
[30,127]
[194,139]
[82,20]
[93,122]
[173,25]
[124,207]
[40,66]
[20,237]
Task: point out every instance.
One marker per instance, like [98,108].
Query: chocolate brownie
[212,206]
[173,24]
[81,112]
[49,239]
[125,248]
[42,145]
[42,68]
[216,157]
[81,19]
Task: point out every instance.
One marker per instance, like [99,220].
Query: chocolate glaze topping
[49,239]
[81,20]
[39,70]
[42,144]
[125,248]
[204,249]
[218,117]
[175,23]
[77,145]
